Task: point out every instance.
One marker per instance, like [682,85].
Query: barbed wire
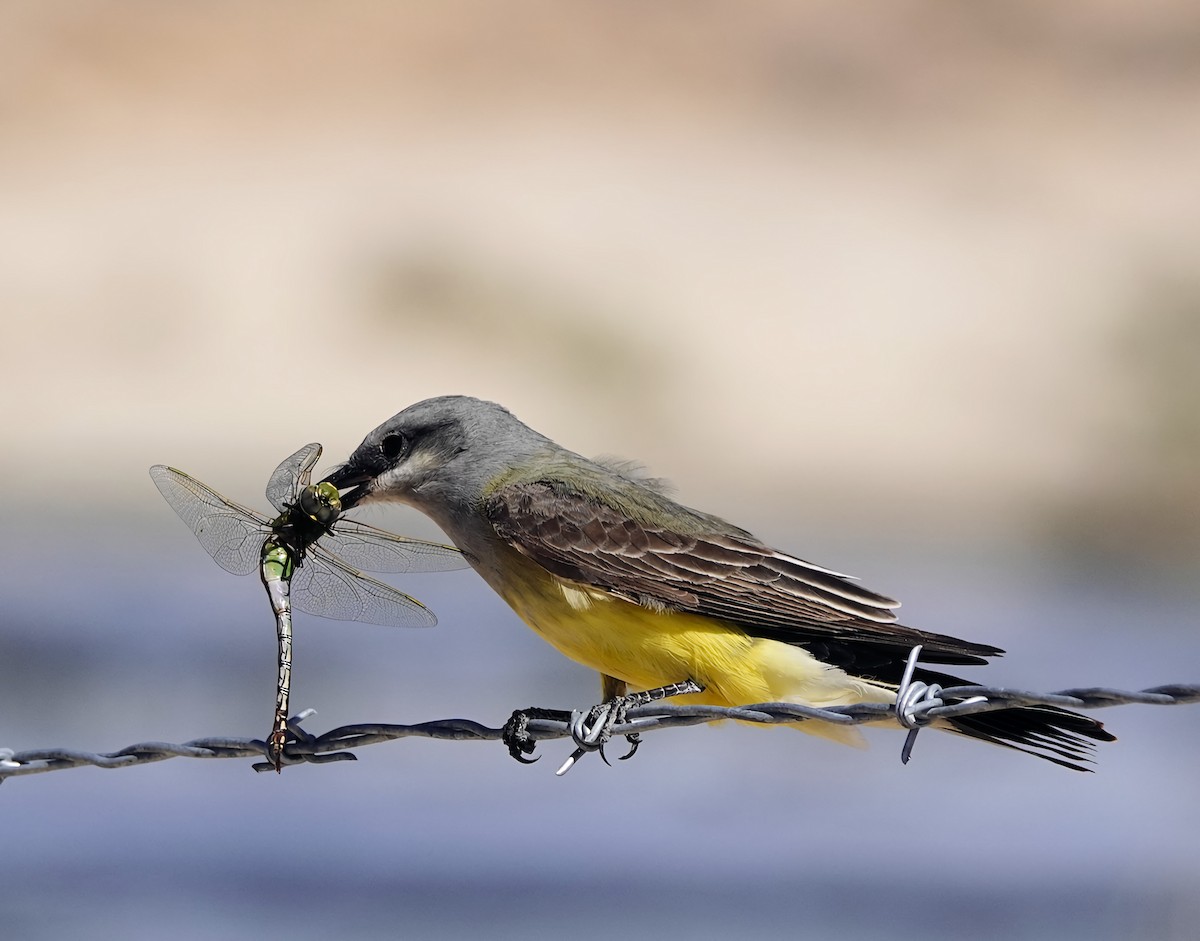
[913,713]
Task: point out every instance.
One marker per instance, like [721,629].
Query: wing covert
[707,567]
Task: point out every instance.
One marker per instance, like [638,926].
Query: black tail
[1048,732]
[1058,735]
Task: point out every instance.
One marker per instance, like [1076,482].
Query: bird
[601,562]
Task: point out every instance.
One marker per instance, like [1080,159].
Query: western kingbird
[616,575]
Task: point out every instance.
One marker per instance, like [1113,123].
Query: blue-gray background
[912,295]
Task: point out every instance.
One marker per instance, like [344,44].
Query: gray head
[438,455]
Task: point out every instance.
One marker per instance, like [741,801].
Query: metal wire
[334,744]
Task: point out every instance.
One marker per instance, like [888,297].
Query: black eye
[393,445]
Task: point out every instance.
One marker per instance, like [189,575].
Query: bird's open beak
[348,476]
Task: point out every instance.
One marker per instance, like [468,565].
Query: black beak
[349,476]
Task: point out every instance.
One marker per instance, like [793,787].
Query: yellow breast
[648,648]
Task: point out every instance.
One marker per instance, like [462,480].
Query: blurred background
[912,291]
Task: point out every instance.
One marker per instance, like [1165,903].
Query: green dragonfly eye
[321,502]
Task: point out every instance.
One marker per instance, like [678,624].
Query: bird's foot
[516,731]
[591,730]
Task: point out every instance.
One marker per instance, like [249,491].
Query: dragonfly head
[347,477]
[320,503]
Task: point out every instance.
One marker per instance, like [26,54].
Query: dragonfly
[306,556]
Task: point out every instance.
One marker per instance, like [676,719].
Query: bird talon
[592,730]
[517,738]
[634,741]
[515,734]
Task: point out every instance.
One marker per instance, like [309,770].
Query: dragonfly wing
[232,534]
[292,475]
[325,586]
[377,550]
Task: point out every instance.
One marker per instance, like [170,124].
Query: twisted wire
[335,744]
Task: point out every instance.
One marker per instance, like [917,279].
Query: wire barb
[914,700]
[334,745]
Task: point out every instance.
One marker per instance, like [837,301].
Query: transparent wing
[325,586]
[377,550]
[292,475]
[232,534]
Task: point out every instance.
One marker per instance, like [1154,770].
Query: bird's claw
[591,731]
[515,734]
[516,737]
[634,741]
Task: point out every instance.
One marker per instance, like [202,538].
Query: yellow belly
[648,648]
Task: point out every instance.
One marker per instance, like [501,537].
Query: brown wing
[705,566]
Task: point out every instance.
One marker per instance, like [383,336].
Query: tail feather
[1047,732]
[1056,735]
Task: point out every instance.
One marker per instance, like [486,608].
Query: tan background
[936,263]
